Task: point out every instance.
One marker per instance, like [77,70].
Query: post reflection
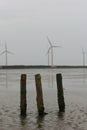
[23,120]
[40,121]
[61,115]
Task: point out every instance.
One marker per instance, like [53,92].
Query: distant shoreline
[40,67]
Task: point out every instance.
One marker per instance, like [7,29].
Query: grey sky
[24,24]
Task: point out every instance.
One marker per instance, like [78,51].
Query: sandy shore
[74,118]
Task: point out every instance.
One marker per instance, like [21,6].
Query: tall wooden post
[60,93]
[39,98]
[23,104]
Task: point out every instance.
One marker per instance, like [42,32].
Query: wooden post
[23,104]
[61,102]
[39,98]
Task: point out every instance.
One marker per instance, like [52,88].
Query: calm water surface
[75,92]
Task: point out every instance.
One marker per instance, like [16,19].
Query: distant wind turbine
[51,49]
[83,53]
[6,52]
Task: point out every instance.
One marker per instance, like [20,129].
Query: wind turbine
[6,52]
[51,49]
[83,53]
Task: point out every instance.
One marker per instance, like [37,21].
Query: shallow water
[75,93]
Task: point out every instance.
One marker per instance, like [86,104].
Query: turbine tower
[48,53]
[51,49]
[83,53]
[6,52]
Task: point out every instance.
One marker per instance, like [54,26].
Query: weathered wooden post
[39,97]
[23,104]
[60,93]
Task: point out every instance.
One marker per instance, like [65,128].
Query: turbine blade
[10,52]
[49,41]
[5,46]
[48,50]
[56,46]
[2,52]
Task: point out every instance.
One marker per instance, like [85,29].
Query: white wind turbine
[83,53]
[6,52]
[51,49]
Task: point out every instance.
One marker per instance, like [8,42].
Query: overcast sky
[25,24]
